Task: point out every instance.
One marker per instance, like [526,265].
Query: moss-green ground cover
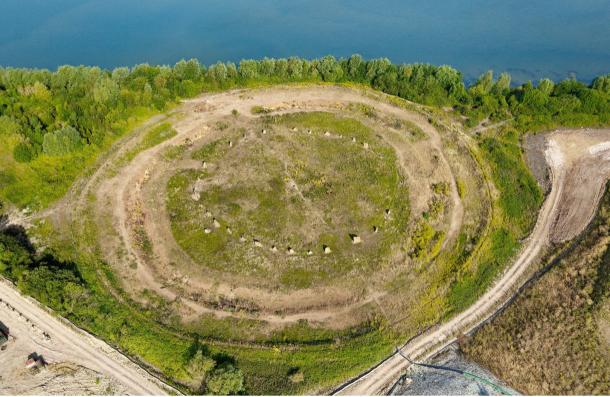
[298,191]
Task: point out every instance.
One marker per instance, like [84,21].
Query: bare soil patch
[130,207]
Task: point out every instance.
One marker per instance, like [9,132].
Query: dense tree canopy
[47,108]
[60,119]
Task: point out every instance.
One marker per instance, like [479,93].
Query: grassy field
[302,357]
[555,339]
[292,191]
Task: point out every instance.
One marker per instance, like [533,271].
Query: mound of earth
[277,206]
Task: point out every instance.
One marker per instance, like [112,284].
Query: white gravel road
[58,341]
[378,380]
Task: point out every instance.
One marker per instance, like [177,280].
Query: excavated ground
[136,233]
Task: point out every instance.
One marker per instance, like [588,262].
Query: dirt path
[566,153]
[119,196]
[68,343]
[57,341]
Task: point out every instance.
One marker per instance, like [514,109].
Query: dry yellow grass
[551,339]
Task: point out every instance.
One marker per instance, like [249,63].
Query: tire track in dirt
[311,99]
[564,152]
[66,341]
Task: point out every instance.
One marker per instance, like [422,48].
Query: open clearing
[300,211]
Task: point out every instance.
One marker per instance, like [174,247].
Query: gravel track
[67,342]
[566,151]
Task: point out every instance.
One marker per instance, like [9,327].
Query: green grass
[152,138]
[258,199]
[466,291]
[259,110]
[520,195]
[515,215]
[267,371]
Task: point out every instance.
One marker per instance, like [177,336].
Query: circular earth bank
[329,165]
[291,201]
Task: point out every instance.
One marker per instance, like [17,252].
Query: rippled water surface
[530,39]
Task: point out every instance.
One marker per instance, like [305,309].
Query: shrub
[60,142]
[23,153]
[226,380]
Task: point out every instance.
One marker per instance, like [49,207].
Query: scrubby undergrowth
[553,339]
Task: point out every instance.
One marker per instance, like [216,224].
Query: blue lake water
[529,38]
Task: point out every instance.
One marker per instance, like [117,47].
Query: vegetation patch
[273,205]
[553,338]
[153,137]
[514,215]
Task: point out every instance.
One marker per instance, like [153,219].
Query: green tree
[225,380]
[546,86]
[502,85]
[330,69]
[602,83]
[248,69]
[106,91]
[295,68]
[188,70]
[198,368]
[356,67]
[484,84]
[218,73]
[61,142]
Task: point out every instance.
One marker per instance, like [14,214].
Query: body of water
[529,39]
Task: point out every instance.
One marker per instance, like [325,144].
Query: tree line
[59,112]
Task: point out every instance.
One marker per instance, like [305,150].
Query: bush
[23,153]
[225,381]
[61,142]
